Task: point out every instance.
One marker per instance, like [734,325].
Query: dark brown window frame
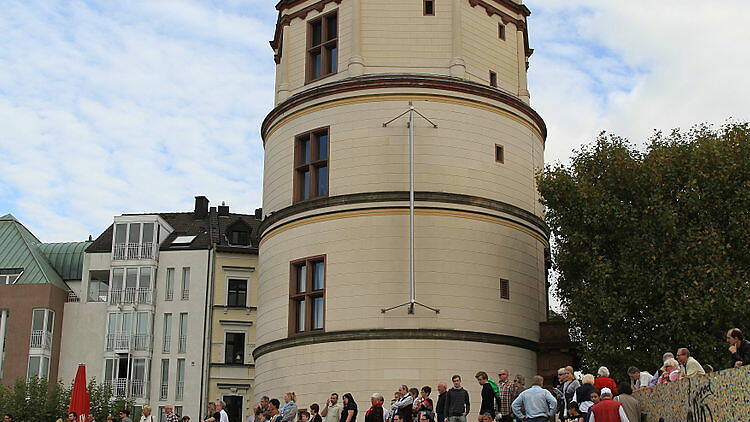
[314,163]
[424,7]
[322,47]
[501,31]
[499,158]
[493,79]
[504,289]
[308,295]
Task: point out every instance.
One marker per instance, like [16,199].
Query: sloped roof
[19,248]
[66,258]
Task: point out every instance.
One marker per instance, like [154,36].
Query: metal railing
[169,295]
[118,341]
[167,343]
[142,342]
[125,388]
[98,295]
[164,392]
[179,391]
[72,297]
[40,339]
[139,388]
[185,294]
[123,251]
[132,295]
[182,345]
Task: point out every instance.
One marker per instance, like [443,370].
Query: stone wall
[723,396]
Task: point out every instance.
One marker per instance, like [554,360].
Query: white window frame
[169,289]
[185,286]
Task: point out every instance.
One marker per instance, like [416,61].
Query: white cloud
[632,67]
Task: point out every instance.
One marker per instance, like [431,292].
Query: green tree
[34,400]
[652,247]
[103,403]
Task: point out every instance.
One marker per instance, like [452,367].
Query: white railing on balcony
[169,295]
[182,344]
[98,295]
[164,391]
[123,251]
[142,342]
[167,342]
[138,388]
[73,297]
[120,387]
[40,339]
[185,294]
[144,296]
[179,391]
[118,341]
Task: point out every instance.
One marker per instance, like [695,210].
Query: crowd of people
[587,398]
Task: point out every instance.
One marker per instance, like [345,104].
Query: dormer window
[135,241]
[9,275]
[238,234]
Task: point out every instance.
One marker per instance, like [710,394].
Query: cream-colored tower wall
[460,259]
[457,157]
[395,37]
[365,367]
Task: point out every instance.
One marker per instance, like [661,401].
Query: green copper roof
[19,248]
[66,258]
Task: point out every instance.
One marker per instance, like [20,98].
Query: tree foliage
[38,400]
[652,247]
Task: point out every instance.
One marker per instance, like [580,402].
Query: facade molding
[391,81]
[533,220]
[394,334]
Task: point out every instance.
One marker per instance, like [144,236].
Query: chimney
[259,213]
[201,207]
[223,209]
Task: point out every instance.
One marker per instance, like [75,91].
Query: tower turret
[334,241]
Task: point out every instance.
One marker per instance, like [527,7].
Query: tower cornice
[395,81]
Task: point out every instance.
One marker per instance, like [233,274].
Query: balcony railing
[123,251]
[164,392]
[179,391]
[142,342]
[118,341]
[40,339]
[72,297]
[167,343]
[125,388]
[182,345]
[143,296]
[169,295]
[185,294]
[98,295]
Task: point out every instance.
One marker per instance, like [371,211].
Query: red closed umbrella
[80,401]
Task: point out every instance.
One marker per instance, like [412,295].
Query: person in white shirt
[220,405]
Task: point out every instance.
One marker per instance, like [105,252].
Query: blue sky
[112,107]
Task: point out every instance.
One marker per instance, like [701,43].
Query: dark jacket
[374,414]
[440,408]
[742,354]
[457,402]
[488,400]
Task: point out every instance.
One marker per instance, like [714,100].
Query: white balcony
[133,251]
[125,388]
[164,392]
[185,294]
[142,296]
[40,339]
[72,297]
[142,342]
[119,342]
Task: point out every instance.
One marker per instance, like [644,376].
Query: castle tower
[334,242]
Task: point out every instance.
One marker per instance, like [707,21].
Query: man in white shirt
[332,411]
[222,413]
[638,379]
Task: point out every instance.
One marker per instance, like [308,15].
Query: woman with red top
[604,381]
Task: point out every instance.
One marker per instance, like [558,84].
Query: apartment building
[145,311]
[35,281]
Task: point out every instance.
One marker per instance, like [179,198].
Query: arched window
[238,233]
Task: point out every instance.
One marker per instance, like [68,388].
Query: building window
[164,379]
[234,348]
[501,31]
[167,340]
[42,323]
[169,291]
[98,286]
[182,346]
[38,367]
[9,275]
[307,295]
[238,234]
[322,47]
[180,388]
[311,165]
[504,289]
[134,241]
[237,293]
[185,283]
[429,8]
[493,79]
[499,154]
[131,285]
